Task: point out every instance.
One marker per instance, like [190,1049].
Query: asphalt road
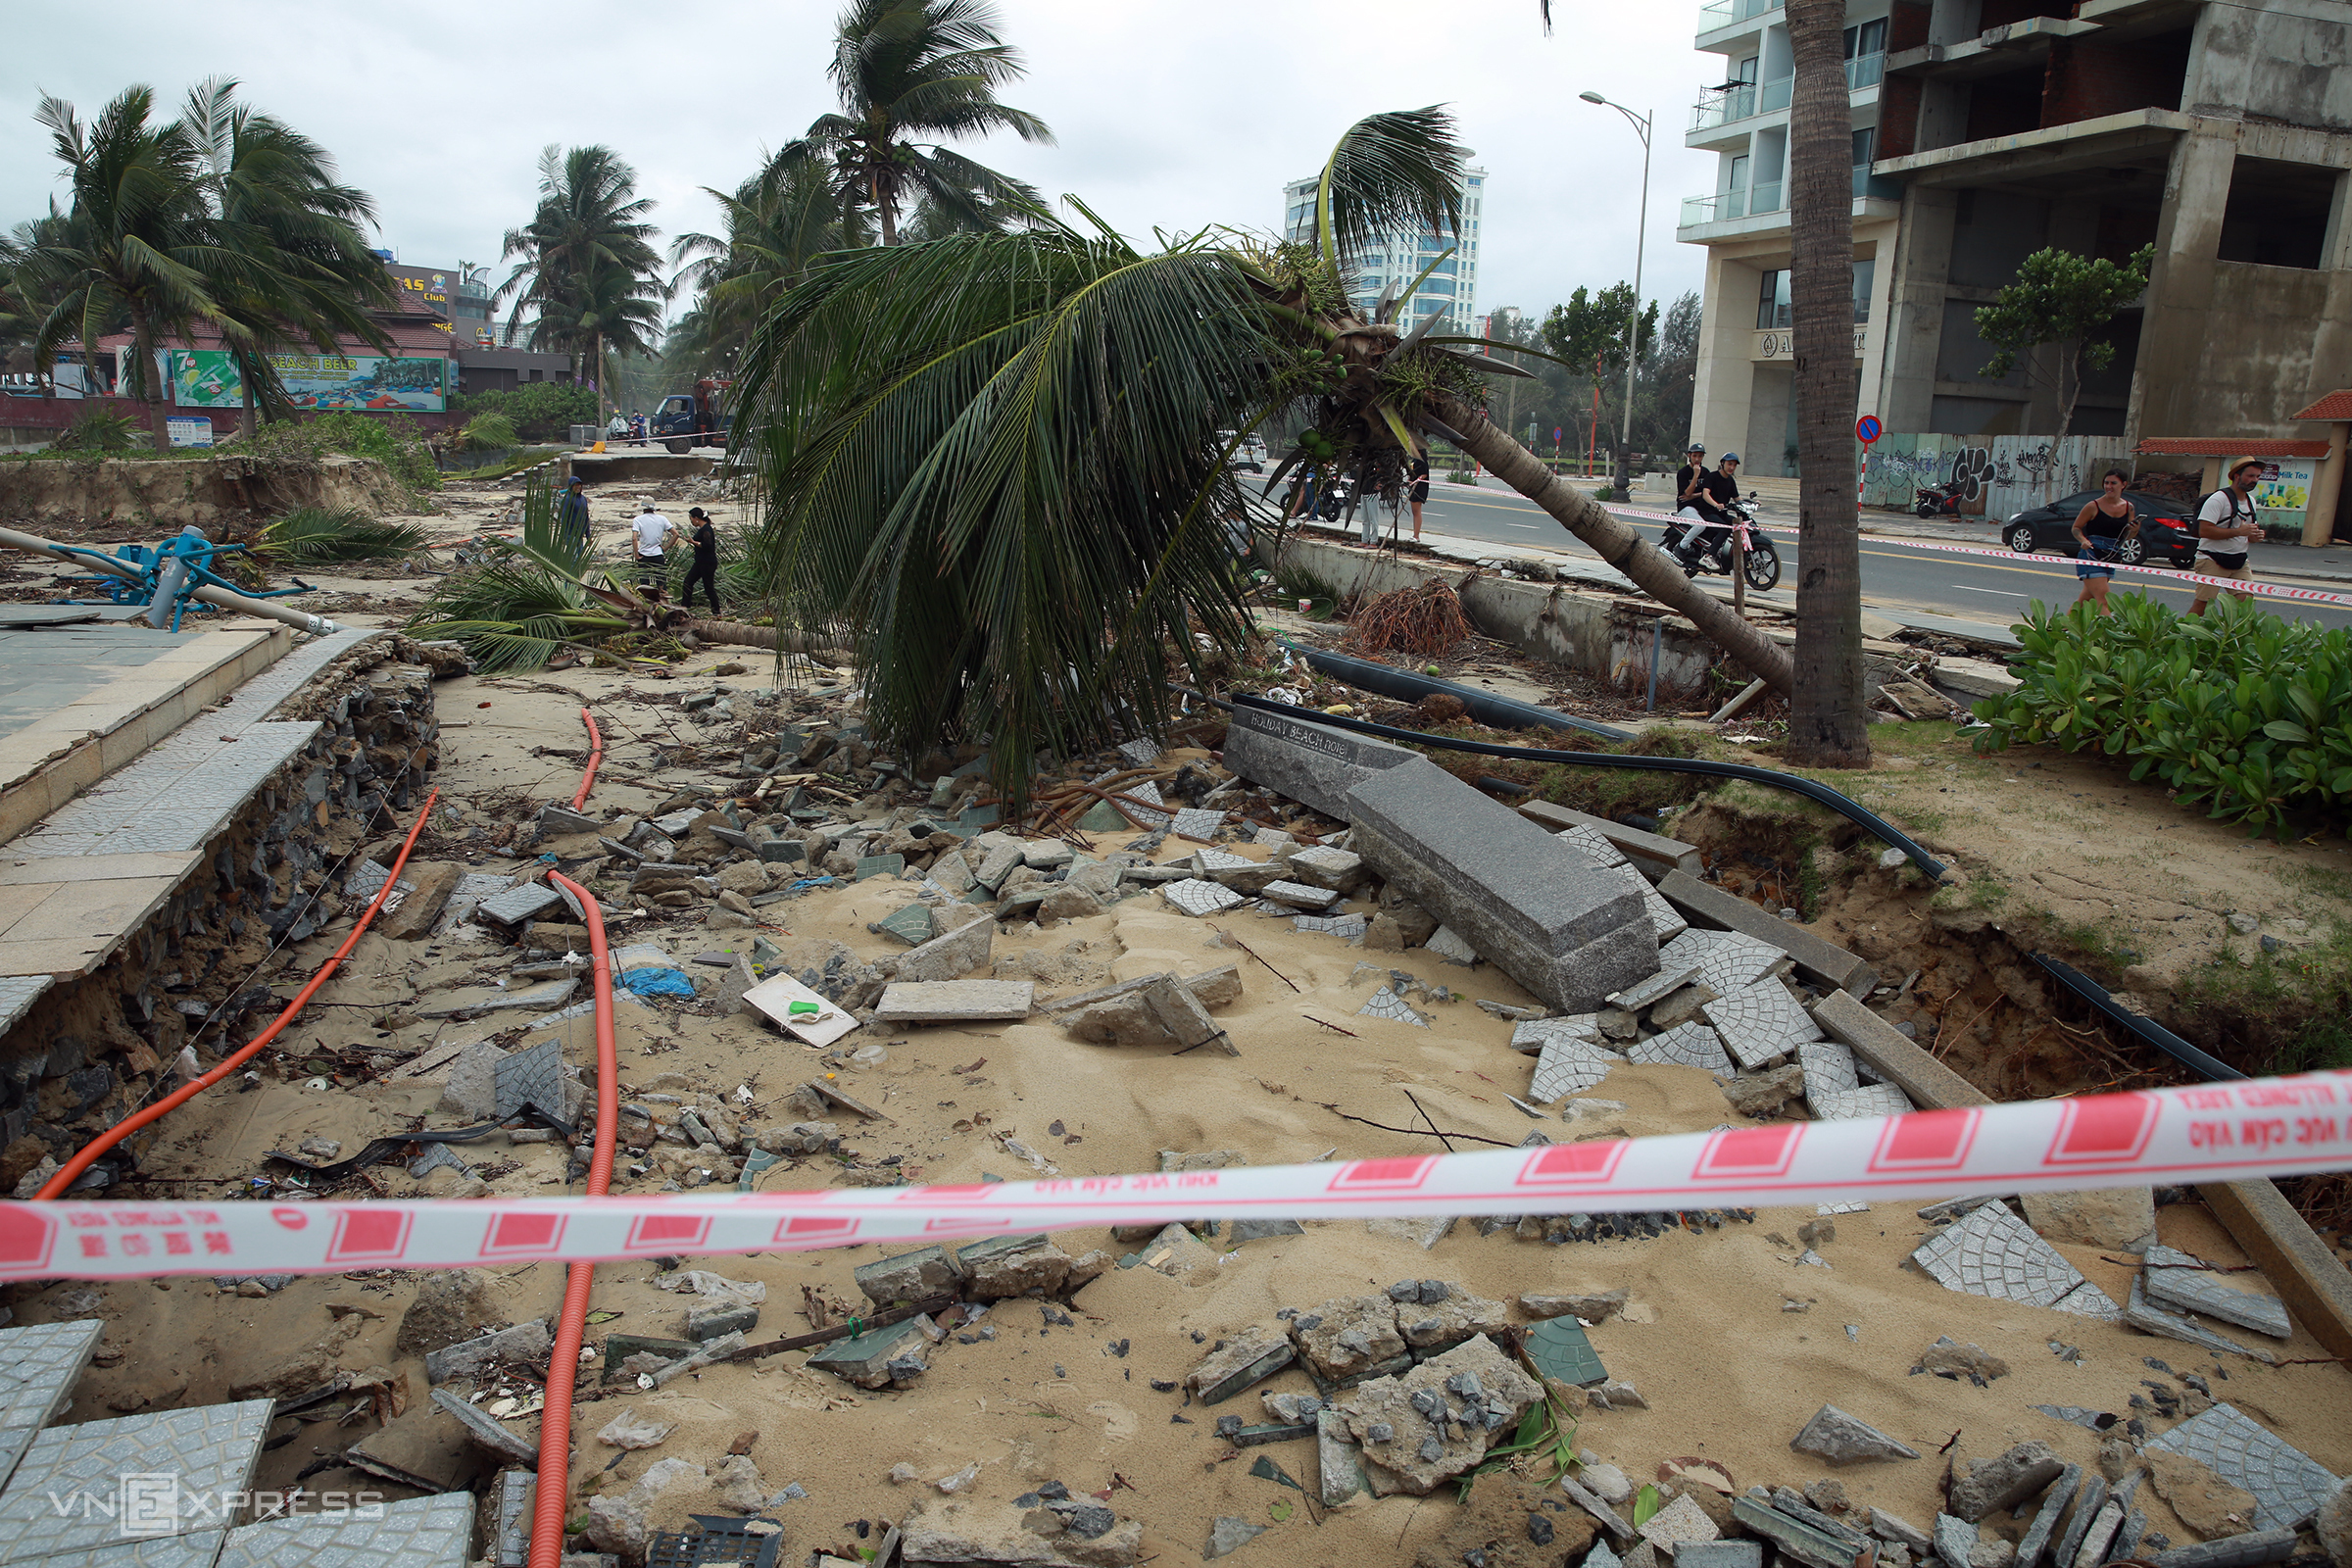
[1897,576]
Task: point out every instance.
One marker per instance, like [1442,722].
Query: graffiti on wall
[1997,474]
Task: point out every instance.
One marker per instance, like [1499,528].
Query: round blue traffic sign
[1866,428]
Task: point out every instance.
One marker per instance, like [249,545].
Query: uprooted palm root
[1426,619]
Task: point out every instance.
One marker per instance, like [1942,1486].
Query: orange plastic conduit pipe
[596,754]
[73,1169]
[564,1361]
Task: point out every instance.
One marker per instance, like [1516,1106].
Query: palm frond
[309,534]
[1399,169]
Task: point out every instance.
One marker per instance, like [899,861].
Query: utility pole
[1633,325]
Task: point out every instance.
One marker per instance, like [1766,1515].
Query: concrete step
[420,1533]
[142,1477]
[39,1364]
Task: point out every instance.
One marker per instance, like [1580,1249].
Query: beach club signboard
[208,379]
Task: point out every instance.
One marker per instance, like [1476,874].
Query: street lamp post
[1633,327]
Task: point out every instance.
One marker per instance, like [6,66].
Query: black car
[2168,531]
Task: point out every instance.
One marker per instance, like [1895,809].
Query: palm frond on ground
[313,534]
[534,596]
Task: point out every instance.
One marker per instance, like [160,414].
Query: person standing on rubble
[650,534]
[571,514]
[705,539]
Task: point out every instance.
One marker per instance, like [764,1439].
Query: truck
[688,419]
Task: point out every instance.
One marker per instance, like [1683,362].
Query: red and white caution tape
[2245,585]
[2168,1137]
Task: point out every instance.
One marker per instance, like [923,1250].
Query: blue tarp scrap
[653,982]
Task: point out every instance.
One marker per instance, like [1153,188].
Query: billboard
[2284,487]
[422,285]
[208,379]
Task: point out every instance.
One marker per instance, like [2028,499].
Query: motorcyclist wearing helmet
[1704,492]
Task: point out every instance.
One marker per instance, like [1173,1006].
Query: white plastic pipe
[221,598]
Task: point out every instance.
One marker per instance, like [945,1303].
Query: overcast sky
[1168,115]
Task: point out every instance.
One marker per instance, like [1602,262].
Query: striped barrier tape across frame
[2167,1137]
[2248,585]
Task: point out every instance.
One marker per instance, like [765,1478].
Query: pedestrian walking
[2224,523]
[650,534]
[1417,476]
[571,514]
[705,539]
[2105,521]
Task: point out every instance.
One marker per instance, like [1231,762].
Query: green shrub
[539,410]
[99,430]
[391,439]
[2238,709]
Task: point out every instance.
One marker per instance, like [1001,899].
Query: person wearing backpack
[2221,534]
[2101,528]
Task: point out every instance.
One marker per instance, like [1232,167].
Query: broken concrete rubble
[1437,1420]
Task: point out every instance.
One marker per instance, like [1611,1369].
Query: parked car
[2168,531]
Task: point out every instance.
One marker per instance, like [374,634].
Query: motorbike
[1336,498]
[1938,500]
[1760,562]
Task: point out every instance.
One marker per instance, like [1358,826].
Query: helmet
[1695,446]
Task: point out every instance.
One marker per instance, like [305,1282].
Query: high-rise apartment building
[1390,264]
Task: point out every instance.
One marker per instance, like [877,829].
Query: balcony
[1864,70]
[1722,106]
[1725,205]
[1717,15]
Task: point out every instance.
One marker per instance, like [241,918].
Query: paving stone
[1523,901]
[1298,896]
[524,1342]
[1801,1541]
[2087,1503]
[1678,1522]
[1852,1104]
[2038,1534]
[1340,870]
[1387,1003]
[1145,817]
[1529,1036]
[871,865]
[1760,1022]
[518,906]
[1314,765]
[486,1430]
[1995,1253]
[1560,1348]
[1671,977]
[1445,944]
[1272,837]
[1347,927]
[910,925]
[1588,841]
[1568,1065]
[1842,1438]
[2288,1486]
[955,1000]
[1660,855]
[1828,1065]
[531,1076]
[414,1533]
[2232,1551]
[1690,1045]
[209,1450]
[39,1363]
[1733,962]
[1248,1358]
[489,999]
[1142,752]
[1197,897]
[17,994]
[1197,823]
[1817,959]
[1720,1554]
[2179,1279]
[1880,1047]
[2148,1316]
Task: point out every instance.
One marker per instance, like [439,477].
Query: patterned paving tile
[1199,822]
[1854,1104]
[1347,927]
[2288,1486]
[1692,948]
[1146,791]
[17,992]
[2177,1279]
[1298,896]
[176,797]
[2153,1317]
[186,1460]
[1194,897]
[1664,918]
[531,1076]
[420,1533]
[1449,944]
[1272,837]
[1670,978]
[1140,752]
[1689,1044]
[1530,1035]
[198,1548]
[1831,1067]
[1570,1065]
[1591,842]
[518,904]
[1992,1253]
[38,1365]
[1387,1003]
[1759,1022]
[1737,961]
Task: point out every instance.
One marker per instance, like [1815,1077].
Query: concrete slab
[206,1450]
[1888,1052]
[1661,855]
[1314,765]
[955,1001]
[38,1366]
[1993,1254]
[1817,959]
[2288,1486]
[1525,901]
[2180,1280]
[415,1532]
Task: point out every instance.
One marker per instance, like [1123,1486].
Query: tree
[1589,333]
[911,74]
[2062,300]
[1668,374]
[775,225]
[1828,721]
[587,262]
[994,465]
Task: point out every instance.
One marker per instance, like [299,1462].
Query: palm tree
[993,464]
[139,244]
[274,198]
[587,262]
[775,225]
[912,73]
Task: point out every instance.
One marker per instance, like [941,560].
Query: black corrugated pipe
[2148,1029]
[1870,821]
[1502,712]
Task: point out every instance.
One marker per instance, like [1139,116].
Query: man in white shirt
[650,534]
[2224,523]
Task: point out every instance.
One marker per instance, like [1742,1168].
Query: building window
[1865,54]
[1772,299]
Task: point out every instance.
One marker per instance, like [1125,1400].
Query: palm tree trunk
[1829,722]
[142,345]
[884,211]
[1616,543]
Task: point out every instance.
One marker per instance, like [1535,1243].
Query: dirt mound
[204,491]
